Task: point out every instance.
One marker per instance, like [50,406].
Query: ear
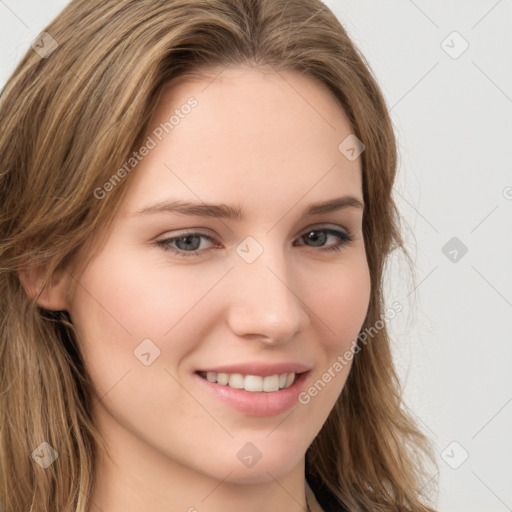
[54,295]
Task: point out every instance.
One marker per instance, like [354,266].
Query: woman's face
[181,299]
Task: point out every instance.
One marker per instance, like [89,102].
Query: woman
[196,214]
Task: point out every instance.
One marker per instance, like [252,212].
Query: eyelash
[344,237]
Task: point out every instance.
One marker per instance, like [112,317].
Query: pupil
[313,237]
[187,244]
[185,241]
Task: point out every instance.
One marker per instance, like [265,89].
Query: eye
[189,243]
[342,237]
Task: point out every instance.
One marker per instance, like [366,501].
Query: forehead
[251,134]
[258,98]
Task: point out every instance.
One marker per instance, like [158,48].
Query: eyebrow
[224,211]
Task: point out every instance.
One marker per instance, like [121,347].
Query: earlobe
[54,294]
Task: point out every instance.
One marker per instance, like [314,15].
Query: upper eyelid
[213,238]
[205,231]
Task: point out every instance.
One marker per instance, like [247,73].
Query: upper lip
[259,368]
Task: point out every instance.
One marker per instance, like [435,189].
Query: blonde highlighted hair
[69,120]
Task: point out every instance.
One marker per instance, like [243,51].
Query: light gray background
[454,126]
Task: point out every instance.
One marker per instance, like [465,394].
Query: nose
[266,302]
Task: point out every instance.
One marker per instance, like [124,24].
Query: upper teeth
[252,382]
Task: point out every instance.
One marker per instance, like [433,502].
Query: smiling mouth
[252,383]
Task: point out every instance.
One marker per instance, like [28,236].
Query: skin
[267,142]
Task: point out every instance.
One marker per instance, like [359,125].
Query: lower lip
[257,403]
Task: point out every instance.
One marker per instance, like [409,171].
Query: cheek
[135,325]
[129,311]
[342,304]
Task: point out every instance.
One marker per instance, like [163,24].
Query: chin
[261,460]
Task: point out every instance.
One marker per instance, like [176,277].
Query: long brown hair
[73,116]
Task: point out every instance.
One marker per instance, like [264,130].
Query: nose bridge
[265,301]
